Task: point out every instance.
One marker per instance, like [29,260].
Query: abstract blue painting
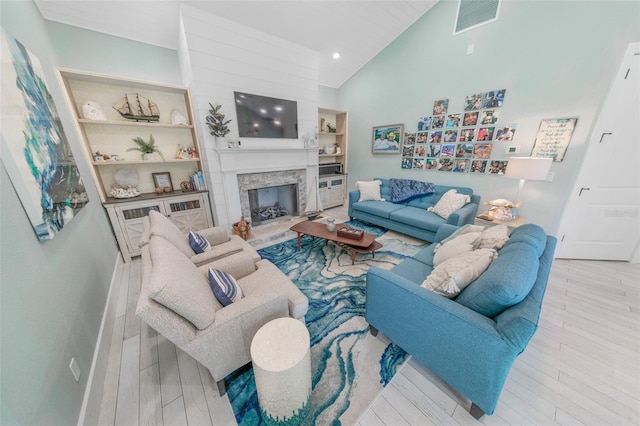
[35,151]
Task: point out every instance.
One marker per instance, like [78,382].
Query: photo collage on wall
[460,142]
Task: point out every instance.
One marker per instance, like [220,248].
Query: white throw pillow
[449,203]
[464,229]
[494,237]
[461,244]
[450,277]
[369,190]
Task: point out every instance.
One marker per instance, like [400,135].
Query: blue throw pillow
[224,286]
[198,243]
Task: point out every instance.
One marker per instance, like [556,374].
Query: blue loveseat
[471,341]
[411,217]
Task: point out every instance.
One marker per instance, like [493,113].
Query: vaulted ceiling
[358,30]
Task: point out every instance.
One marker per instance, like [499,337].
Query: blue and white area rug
[349,366]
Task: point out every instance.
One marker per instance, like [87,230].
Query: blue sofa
[411,217]
[471,341]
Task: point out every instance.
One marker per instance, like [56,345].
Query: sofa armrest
[461,346]
[225,345]
[246,247]
[395,303]
[215,235]
[239,265]
[216,252]
[444,231]
[464,215]
[354,196]
[146,232]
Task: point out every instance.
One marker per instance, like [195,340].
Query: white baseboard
[90,410]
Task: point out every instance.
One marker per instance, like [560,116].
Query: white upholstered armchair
[176,300]
[221,244]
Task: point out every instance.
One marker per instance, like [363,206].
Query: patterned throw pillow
[494,237]
[198,243]
[461,244]
[224,286]
[449,203]
[369,190]
[450,277]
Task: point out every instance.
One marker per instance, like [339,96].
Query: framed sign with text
[553,138]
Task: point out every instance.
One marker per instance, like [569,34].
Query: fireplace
[266,197]
[273,202]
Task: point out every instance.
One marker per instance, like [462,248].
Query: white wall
[53,293]
[220,57]
[555,59]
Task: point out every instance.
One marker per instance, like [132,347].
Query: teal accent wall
[327,97]
[555,59]
[104,54]
[53,294]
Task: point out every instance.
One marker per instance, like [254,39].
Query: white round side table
[281,358]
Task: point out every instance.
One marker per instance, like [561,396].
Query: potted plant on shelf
[148,150]
[217,123]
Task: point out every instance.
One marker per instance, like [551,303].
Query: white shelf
[123,162]
[135,123]
[113,136]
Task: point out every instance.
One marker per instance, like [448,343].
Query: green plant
[216,122]
[145,147]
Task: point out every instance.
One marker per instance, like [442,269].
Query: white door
[602,217]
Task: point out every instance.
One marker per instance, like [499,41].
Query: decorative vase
[331,224]
[150,156]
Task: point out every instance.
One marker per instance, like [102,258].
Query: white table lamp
[527,168]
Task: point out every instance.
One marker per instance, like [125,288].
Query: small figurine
[331,128]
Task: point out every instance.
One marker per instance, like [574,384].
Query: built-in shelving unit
[113,136]
[332,156]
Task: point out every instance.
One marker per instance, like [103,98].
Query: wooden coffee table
[367,244]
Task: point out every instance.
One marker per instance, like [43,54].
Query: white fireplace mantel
[252,160]
[237,161]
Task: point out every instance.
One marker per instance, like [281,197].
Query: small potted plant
[216,122]
[148,150]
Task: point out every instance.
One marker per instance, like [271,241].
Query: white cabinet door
[331,190]
[188,212]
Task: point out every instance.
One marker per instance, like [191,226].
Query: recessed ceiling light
[336,55]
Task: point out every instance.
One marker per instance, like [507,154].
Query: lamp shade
[528,168]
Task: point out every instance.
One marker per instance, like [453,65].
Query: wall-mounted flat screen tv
[264,117]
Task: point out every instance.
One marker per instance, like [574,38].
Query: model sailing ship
[134,106]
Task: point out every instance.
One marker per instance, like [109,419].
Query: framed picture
[162,180]
[553,138]
[387,139]
[35,150]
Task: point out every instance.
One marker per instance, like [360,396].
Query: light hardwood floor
[581,367]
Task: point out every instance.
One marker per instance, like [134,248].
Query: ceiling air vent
[474,13]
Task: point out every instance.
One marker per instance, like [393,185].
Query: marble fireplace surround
[250,168]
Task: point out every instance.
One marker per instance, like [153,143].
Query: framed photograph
[506,133]
[478,166]
[162,180]
[440,106]
[472,102]
[470,118]
[387,139]
[424,123]
[493,99]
